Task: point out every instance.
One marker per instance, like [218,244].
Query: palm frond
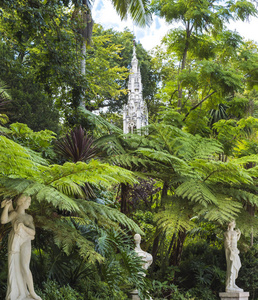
[136,9]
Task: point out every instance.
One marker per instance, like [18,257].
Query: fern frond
[246,224]
[242,195]
[196,191]
[217,171]
[246,159]
[253,172]
[175,217]
[80,172]
[111,213]
[11,187]
[56,198]
[16,160]
[4,119]
[224,211]
[163,157]
[130,161]
[195,147]
[67,237]
[101,125]
[110,144]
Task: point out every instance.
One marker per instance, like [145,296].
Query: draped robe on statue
[18,239]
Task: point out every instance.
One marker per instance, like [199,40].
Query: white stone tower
[135,113]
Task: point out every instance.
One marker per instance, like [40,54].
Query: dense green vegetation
[92,188]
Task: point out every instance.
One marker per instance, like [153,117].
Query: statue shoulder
[226,234]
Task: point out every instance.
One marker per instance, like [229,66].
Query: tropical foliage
[63,83]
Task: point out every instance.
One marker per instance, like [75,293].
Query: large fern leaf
[224,211]
[196,191]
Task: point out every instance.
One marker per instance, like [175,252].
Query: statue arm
[238,234]
[6,216]
[28,228]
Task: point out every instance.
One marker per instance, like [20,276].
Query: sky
[103,13]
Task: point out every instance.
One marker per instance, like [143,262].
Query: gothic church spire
[135,114]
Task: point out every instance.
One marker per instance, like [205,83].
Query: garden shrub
[52,291]
[248,275]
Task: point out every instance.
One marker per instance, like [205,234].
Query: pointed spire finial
[134,52]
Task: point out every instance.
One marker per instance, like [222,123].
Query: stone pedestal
[234,296]
[135,295]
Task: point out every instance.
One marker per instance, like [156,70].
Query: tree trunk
[157,233]
[164,192]
[124,195]
[183,63]
[176,254]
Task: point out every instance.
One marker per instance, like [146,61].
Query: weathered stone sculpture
[232,257]
[20,281]
[146,259]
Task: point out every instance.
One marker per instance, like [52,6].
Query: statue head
[137,238]
[232,224]
[24,200]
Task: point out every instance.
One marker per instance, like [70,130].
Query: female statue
[20,281]
[232,257]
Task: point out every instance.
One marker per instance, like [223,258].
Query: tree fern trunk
[124,196]
[155,246]
[164,192]
[157,235]
[176,254]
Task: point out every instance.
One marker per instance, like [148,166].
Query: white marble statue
[146,257]
[146,261]
[20,281]
[232,257]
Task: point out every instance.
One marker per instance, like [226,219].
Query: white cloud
[104,14]
[248,30]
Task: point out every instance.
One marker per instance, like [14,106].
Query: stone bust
[232,257]
[20,281]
